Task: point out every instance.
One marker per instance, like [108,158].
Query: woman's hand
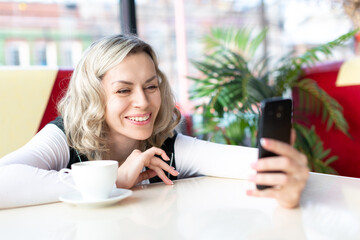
[130,172]
[290,182]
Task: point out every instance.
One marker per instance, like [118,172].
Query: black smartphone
[275,122]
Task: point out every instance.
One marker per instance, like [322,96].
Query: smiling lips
[139,119]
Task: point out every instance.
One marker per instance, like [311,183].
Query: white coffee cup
[93,179]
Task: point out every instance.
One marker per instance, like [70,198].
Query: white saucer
[75,198]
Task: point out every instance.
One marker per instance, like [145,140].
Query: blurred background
[55,33]
[50,36]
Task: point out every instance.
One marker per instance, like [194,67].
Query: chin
[142,136]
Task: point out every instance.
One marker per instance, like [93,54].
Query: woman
[119,106]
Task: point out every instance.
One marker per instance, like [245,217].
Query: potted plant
[234,80]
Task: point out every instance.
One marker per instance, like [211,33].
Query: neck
[121,148]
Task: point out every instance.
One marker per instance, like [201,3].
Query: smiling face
[132,98]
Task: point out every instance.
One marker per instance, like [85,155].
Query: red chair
[60,85]
[348,150]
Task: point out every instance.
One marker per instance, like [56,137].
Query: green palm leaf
[311,145]
[233,82]
[241,41]
[289,68]
[331,109]
[311,56]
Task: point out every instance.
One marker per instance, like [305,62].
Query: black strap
[74,156]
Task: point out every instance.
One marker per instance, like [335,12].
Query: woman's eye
[152,87]
[123,91]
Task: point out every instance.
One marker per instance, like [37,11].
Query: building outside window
[70,52]
[40,56]
[55,32]
[17,53]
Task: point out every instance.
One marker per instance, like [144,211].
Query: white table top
[198,208]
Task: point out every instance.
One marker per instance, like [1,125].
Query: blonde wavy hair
[83,105]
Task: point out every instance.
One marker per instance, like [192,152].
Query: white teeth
[139,119]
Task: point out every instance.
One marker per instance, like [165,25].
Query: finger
[279,148]
[161,164]
[146,175]
[278,163]
[271,193]
[279,179]
[157,151]
[150,153]
[161,175]
[293,137]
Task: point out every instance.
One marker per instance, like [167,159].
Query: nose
[140,99]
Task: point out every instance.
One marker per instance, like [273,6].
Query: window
[17,53]
[176,29]
[70,52]
[53,33]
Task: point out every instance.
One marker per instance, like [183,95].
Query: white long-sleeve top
[30,175]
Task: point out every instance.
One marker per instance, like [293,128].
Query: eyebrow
[131,83]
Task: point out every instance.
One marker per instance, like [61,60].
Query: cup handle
[62,174]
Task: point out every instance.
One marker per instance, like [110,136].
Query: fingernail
[253,165]
[171,182]
[263,142]
[252,177]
